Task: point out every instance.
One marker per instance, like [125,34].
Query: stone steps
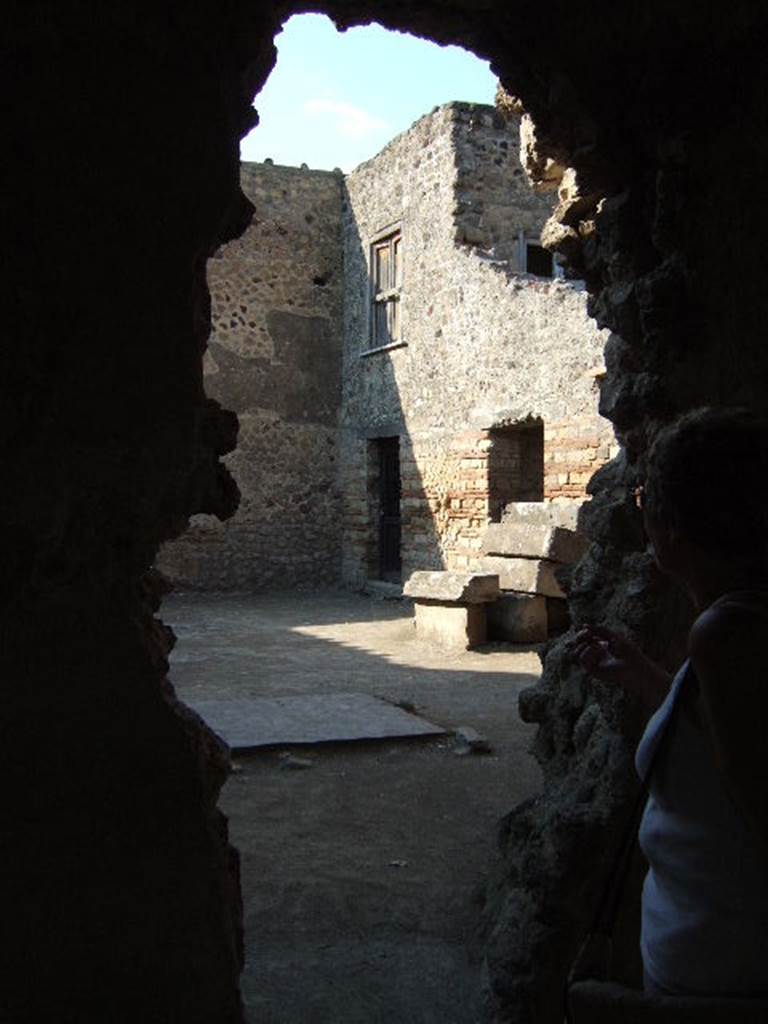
[525,550]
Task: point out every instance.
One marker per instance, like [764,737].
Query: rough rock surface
[109,445]
[452,587]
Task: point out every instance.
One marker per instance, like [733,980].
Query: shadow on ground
[361,873]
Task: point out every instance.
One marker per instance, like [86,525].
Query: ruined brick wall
[485,344]
[274,358]
[574,448]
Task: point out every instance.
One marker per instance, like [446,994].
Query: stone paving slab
[249,723]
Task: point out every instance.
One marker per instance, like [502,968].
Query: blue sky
[335,99]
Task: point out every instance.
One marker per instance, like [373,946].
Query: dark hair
[707,477]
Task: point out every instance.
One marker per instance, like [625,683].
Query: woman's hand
[614,659]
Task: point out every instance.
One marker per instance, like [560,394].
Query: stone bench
[526,550]
[450,607]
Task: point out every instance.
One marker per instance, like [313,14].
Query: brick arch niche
[121,178]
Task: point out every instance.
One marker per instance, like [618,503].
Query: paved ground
[361,873]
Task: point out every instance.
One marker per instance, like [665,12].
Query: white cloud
[350,121]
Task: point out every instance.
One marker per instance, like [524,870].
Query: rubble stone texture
[274,358]
[121,179]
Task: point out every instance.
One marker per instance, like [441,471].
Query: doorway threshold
[384,589]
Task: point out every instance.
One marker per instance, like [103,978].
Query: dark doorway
[538,261]
[515,465]
[388,451]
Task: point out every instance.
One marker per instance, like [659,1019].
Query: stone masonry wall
[484,344]
[274,358]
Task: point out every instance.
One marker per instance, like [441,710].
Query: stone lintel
[388,428]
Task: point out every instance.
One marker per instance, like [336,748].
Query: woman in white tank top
[705,827]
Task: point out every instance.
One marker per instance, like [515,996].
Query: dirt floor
[360,873]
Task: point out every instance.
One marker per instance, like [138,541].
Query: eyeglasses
[638,496]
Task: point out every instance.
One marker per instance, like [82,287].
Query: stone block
[524,575]
[518,618]
[558,616]
[452,587]
[534,540]
[544,513]
[453,627]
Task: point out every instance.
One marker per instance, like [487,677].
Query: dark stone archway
[121,177]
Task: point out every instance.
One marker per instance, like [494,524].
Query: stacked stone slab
[525,550]
[543,513]
[450,607]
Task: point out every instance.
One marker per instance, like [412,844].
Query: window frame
[526,238]
[391,238]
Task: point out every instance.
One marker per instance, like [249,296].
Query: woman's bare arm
[614,659]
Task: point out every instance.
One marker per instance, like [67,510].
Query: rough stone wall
[120,893]
[485,344]
[274,358]
[109,445]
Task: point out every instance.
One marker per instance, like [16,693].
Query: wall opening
[534,259]
[385,489]
[515,466]
[394,470]
[538,261]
